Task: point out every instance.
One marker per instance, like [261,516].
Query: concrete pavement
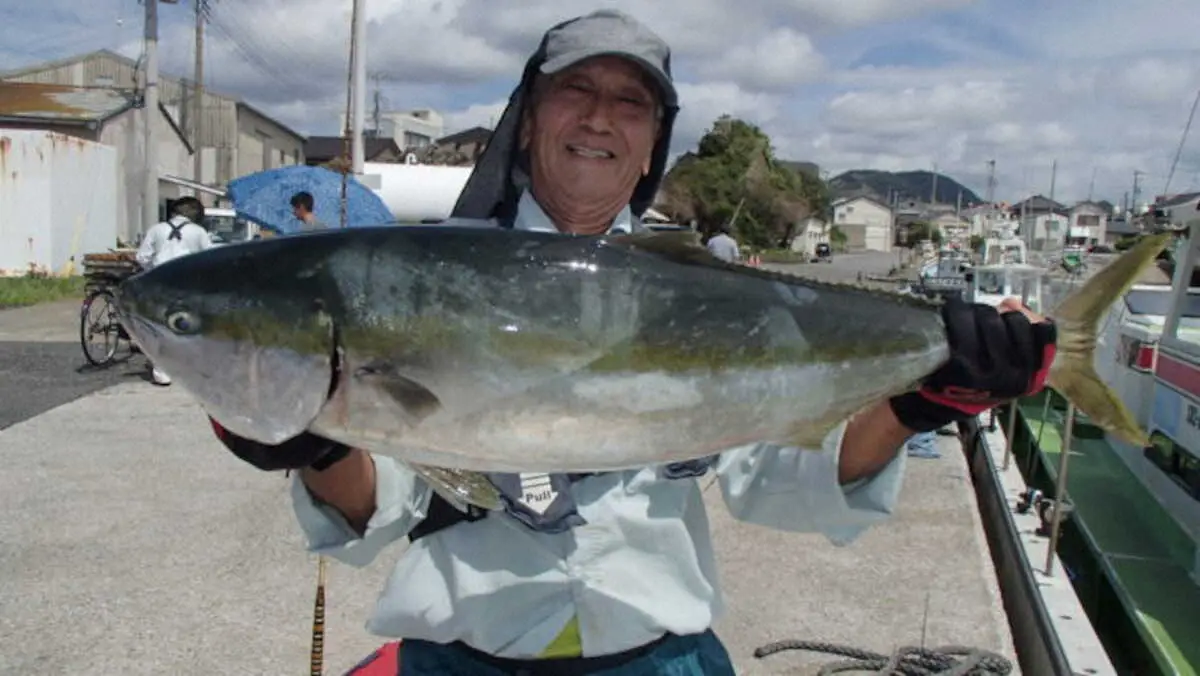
[133,543]
[42,363]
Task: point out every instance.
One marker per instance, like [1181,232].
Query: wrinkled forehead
[609,69]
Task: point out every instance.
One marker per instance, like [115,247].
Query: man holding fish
[595,557]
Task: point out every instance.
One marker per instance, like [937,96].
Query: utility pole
[933,190]
[1137,188]
[1092,185]
[991,183]
[150,112]
[198,93]
[1053,178]
[358,84]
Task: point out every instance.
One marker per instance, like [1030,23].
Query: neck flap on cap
[496,183]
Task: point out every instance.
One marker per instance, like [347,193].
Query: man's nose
[597,113]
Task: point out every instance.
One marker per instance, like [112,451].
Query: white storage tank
[416,192]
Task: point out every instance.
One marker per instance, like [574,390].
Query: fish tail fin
[1073,372]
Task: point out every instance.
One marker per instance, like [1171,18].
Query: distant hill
[914,185]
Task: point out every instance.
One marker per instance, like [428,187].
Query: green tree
[734,170]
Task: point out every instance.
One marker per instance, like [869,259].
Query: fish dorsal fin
[679,245]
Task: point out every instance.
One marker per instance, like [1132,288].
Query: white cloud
[780,60]
[1096,85]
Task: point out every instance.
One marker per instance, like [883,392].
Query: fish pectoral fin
[460,488]
[1078,317]
[413,397]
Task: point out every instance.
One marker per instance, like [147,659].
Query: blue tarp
[265,198]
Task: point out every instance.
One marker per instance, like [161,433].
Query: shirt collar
[531,216]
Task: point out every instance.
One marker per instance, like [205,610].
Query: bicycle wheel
[98,318]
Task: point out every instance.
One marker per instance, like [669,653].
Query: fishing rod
[317,665]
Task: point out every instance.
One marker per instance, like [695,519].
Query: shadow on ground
[38,376]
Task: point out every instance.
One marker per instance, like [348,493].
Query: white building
[410,129]
[868,223]
[1087,223]
[809,232]
[1179,210]
[107,117]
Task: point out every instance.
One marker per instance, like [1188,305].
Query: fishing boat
[1002,246]
[1131,541]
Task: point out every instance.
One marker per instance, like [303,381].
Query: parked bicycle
[100,331]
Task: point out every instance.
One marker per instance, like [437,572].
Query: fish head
[242,328]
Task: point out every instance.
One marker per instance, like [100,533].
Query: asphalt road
[38,376]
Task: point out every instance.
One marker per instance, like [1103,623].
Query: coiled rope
[906,661]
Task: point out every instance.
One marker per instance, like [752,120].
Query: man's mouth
[590,153]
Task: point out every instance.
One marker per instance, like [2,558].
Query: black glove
[994,357]
[305,450]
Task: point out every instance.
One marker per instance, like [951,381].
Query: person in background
[178,236]
[609,573]
[724,246]
[302,207]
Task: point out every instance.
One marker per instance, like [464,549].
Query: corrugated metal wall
[57,199]
[236,143]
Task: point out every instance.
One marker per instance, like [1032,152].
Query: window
[1087,220]
[1140,302]
[1176,461]
[415,140]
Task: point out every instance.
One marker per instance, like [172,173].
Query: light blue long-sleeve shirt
[642,565]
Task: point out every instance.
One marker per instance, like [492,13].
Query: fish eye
[182,321]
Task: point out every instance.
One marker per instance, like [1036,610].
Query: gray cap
[607,32]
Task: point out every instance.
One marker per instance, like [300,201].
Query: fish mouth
[265,393]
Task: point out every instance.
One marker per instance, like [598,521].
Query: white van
[224,227]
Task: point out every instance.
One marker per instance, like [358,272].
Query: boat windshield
[1004,254]
[1143,302]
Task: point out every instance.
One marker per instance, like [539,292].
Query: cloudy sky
[1102,86]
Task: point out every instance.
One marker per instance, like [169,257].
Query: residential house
[954,228]
[1043,222]
[470,143]
[235,138]
[111,117]
[1120,227]
[321,150]
[867,223]
[1087,223]
[1177,210]
[809,232]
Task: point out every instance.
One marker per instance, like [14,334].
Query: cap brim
[561,62]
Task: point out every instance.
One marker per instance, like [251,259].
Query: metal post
[1012,428]
[1037,444]
[358,85]
[1060,488]
[150,113]
[198,93]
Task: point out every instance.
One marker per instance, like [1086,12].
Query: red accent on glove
[1039,378]
[217,428]
[966,406]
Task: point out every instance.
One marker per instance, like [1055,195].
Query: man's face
[591,132]
[298,211]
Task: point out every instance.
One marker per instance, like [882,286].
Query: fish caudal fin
[1078,317]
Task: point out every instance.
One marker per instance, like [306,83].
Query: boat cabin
[1174,424]
[993,283]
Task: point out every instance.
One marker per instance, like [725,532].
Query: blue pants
[694,655]
[923,445]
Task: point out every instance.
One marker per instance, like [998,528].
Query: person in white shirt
[724,246]
[167,240]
